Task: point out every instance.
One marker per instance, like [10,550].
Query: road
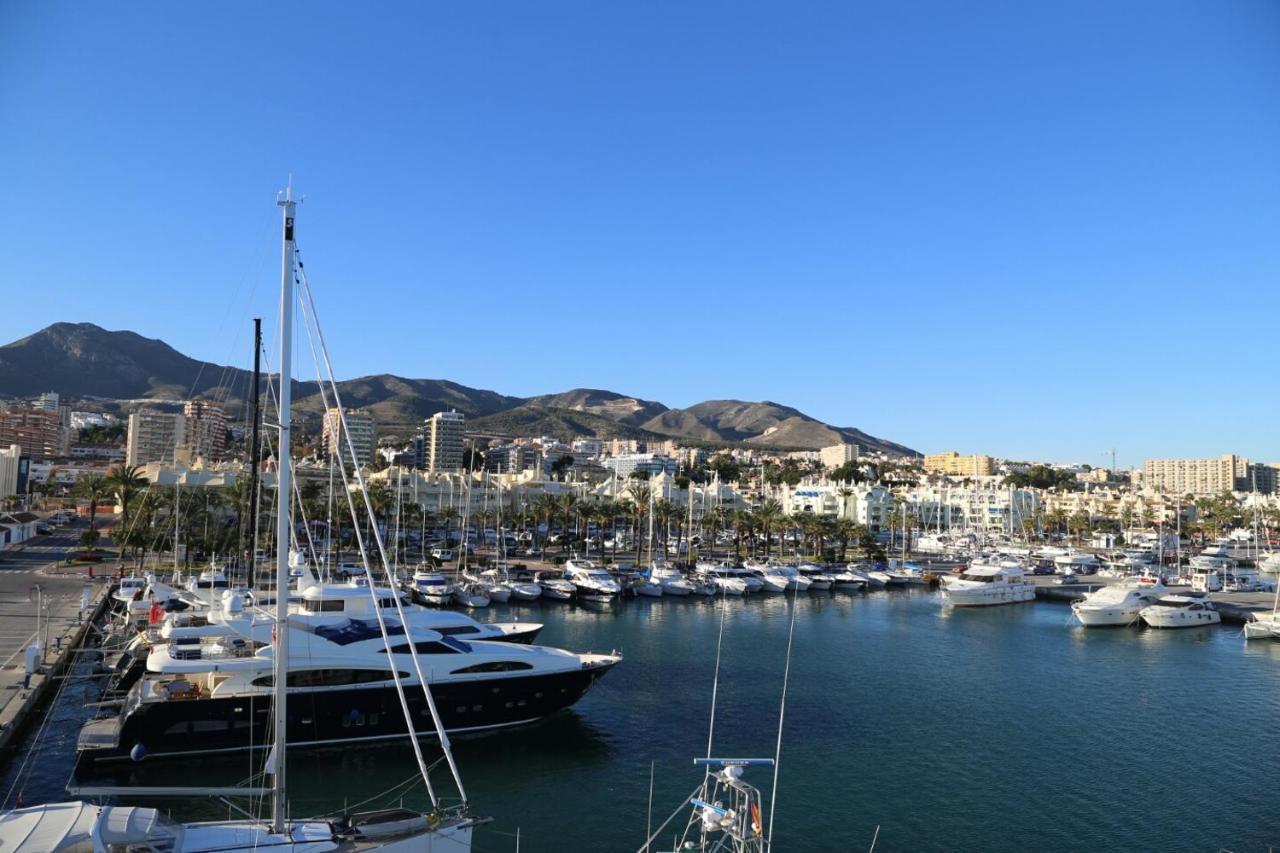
[38,600]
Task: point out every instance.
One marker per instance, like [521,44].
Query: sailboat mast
[255,448]
[284,523]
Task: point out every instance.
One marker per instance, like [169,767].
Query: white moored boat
[1181,611]
[670,579]
[1119,604]
[984,584]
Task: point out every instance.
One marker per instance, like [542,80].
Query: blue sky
[1038,230]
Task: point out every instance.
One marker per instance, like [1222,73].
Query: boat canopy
[75,827]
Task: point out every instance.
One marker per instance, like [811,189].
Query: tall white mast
[284,522]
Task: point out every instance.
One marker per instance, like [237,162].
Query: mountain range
[85,361]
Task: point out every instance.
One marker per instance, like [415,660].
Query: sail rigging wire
[782,713]
[715,683]
[311,316]
[364,557]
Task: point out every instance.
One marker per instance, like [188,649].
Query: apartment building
[445,433]
[1197,476]
[41,433]
[206,430]
[360,425]
[154,436]
[953,464]
[837,455]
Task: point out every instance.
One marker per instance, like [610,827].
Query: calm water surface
[1003,729]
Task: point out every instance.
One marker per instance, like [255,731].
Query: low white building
[988,508]
[870,506]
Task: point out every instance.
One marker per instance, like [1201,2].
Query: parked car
[1043,569]
[43,529]
[1067,579]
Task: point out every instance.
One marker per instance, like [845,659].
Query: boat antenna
[782,713]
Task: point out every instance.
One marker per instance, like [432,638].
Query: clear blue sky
[1031,229]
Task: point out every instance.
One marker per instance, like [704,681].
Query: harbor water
[995,729]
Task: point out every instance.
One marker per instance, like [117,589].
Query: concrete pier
[40,603]
[1236,608]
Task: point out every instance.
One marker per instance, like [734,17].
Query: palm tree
[125,481]
[95,488]
[767,516]
[743,522]
[639,492]
[568,506]
[846,529]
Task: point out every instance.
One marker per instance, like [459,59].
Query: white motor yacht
[721,577]
[876,579]
[983,585]
[818,579]
[555,588]
[847,580]
[1181,611]
[430,587]
[591,582]
[1119,604]
[781,579]
[1076,563]
[670,579]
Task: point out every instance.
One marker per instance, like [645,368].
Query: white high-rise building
[444,434]
[9,457]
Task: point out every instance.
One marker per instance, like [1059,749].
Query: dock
[1236,608]
[40,603]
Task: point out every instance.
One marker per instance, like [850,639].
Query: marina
[883,673]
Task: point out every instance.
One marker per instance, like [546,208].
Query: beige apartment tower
[362,435]
[154,436]
[952,463]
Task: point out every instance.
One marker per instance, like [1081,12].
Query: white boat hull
[1101,616]
[1013,594]
[1162,617]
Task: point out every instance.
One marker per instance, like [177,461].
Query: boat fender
[138,752]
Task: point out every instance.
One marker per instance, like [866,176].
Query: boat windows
[329,677]
[494,666]
[455,630]
[323,605]
[444,646]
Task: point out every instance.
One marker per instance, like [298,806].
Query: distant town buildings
[84,420]
[47,402]
[837,455]
[952,463]
[1229,472]
[41,433]
[154,436]
[205,431]
[360,425]
[623,465]
[444,435]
